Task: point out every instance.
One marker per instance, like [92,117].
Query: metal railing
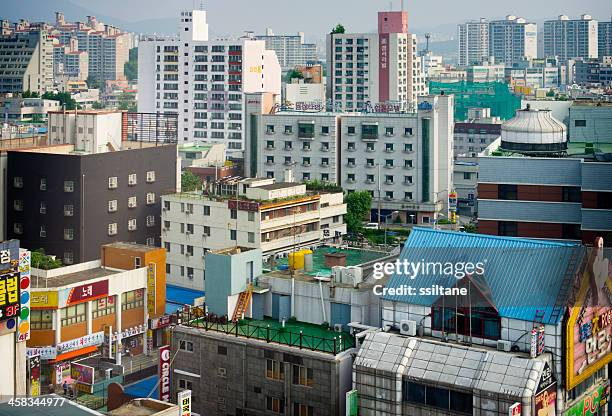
[334,345]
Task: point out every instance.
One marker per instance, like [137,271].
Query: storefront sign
[130,332]
[45,353]
[84,293]
[533,344]
[9,295]
[151,276]
[589,327]
[78,343]
[43,300]
[83,374]
[452,201]
[546,393]
[592,402]
[59,371]
[34,378]
[314,107]
[383,67]
[184,402]
[23,323]
[514,410]
[5,256]
[243,205]
[161,322]
[164,373]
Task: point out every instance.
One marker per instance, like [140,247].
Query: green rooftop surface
[353,258]
[314,337]
[195,148]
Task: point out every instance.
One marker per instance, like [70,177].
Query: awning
[75,353]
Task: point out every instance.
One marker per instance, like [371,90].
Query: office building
[276,217]
[91,187]
[203,81]
[567,38]
[375,68]
[540,185]
[512,40]
[604,43]
[535,76]
[291,51]
[79,308]
[472,137]
[473,40]
[403,159]
[26,62]
[485,72]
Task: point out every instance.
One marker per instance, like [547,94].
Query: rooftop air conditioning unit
[408,327]
[337,327]
[503,345]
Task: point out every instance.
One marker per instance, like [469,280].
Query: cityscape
[205,213]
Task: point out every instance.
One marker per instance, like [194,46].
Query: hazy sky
[317,16]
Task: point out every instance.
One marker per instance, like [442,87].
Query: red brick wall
[487,191]
[487,227]
[539,230]
[540,193]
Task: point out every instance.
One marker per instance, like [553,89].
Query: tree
[358,206]
[294,74]
[127,102]
[130,69]
[97,105]
[190,182]
[93,82]
[29,94]
[338,29]
[64,98]
[44,262]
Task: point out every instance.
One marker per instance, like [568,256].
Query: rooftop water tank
[534,132]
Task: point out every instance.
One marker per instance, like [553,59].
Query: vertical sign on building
[383,67]
[34,371]
[9,286]
[515,410]
[452,206]
[184,402]
[164,373]
[151,276]
[23,324]
[352,403]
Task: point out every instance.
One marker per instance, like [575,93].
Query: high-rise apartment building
[291,50]
[473,37]
[203,81]
[26,62]
[374,68]
[604,43]
[567,38]
[512,40]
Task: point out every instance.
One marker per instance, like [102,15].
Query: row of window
[302,376]
[370,163]
[18,205]
[113,182]
[306,130]
[350,146]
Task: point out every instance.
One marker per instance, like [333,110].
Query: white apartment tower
[374,68]
[513,40]
[204,81]
[291,50]
[473,38]
[567,38]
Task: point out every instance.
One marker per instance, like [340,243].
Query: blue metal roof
[177,296]
[524,276]
[142,388]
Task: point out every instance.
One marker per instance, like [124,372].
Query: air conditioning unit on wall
[408,327]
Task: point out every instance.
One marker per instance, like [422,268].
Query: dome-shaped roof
[534,131]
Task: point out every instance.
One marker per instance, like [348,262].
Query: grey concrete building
[71,202]
[26,62]
[236,375]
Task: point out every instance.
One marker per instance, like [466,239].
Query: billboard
[23,323]
[546,393]
[83,374]
[592,402]
[588,332]
[95,339]
[514,410]
[184,402]
[164,373]
[9,296]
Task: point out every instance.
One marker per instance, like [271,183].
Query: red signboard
[87,292]
[243,205]
[164,373]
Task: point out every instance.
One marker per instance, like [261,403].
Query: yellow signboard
[44,300]
[589,327]
[151,276]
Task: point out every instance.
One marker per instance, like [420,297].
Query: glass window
[41,319]
[369,131]
[133,299]
[73,315]
[274,370]
[103,307]
[303,376]
[508,192]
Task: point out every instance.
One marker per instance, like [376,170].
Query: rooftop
[293,334]
[195,148]
[574,150]
[58,406]
[143,407]
[142,248]
[71,278]
[354,257]
[278,185]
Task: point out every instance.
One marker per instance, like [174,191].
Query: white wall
[7,381]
